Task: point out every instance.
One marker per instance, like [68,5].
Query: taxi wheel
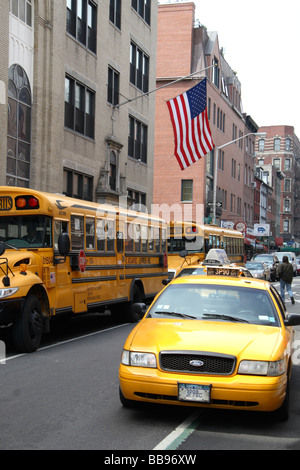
[28,330]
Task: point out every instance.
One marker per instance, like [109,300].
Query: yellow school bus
[60,255]
[189,242]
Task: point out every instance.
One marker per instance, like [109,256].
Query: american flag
[190,123]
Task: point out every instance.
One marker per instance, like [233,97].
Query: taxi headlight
[8,292]
[138,359]
[274,368]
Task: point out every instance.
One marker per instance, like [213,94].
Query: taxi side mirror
[292,319]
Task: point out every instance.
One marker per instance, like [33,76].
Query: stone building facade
[70,73]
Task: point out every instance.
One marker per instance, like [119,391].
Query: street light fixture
[257,134]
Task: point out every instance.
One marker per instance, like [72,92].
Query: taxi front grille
[197,363]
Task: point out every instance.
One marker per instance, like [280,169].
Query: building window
[216,73]
[277,145]
[115,12]
[22,9]
[186,190]
[288,144]
[113,86]
[137,140]
[287,163]
[287,205]
[18,128]
[79,107]
[241,140]
[233,168]
[138,200]
[143,8]
[287,185]
[139,68]
[113,171]
[78,185]
[277,163]
[82,22]
[286,226]
[232,203]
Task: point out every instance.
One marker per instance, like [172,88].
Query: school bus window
[77,232]
[120,242]
[151,239]
[164,241]
[60,226]
[144,238]
[129,234]
[157,237]
[100,235]
[110,233]
[90,233]
[137,238]
[26,231]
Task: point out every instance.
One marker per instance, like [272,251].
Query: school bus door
[63,290]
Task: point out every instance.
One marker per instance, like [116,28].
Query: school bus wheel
[28,329]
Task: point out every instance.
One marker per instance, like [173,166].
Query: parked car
[291,256]
[259,270]
[271,260]
[298,266]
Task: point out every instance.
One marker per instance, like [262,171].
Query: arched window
[18,127]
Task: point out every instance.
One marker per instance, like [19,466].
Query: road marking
[180,434]
[67,341]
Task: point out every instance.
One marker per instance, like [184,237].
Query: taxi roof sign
[216,256]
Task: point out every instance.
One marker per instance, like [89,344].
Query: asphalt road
[65,396]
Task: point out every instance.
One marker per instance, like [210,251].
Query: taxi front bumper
[232,392]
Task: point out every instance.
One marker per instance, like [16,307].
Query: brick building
[280,149]
[184,47]
[64,65]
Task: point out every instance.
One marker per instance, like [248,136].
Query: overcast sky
[261,41]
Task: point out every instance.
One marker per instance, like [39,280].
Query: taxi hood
[241,340]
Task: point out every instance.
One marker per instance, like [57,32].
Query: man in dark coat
[285,273]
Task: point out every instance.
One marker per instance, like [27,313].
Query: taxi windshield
[26,231]
[216,303]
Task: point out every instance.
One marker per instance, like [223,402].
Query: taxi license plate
[194,392]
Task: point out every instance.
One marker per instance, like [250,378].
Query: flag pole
[163,86]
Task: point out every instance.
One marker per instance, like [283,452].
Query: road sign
[82,261]
[262,230]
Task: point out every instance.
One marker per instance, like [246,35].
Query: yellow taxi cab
[221,340]
[215,257]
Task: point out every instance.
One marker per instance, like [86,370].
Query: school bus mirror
[165,282]
[183,253]
[2,248]
[139,308]
[64,244]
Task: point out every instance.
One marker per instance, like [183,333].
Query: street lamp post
[258,134]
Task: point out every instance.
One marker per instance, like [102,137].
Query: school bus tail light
[27,202]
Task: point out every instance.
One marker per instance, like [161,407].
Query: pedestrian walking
[285,273]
